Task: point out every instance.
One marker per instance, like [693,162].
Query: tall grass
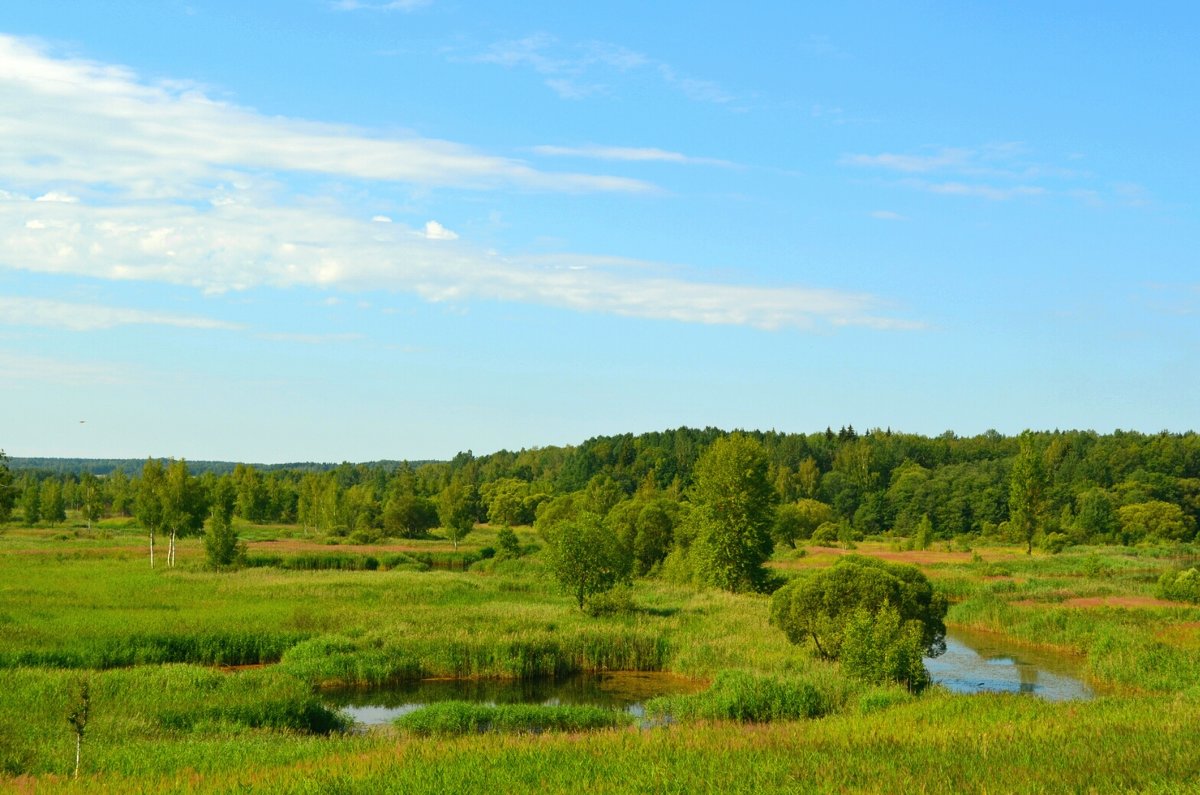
[460,717]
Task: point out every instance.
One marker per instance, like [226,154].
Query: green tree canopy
[8,491]
[734,513]
[586,557]
[819,607]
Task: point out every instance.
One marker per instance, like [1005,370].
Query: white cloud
[22,369]
[91,317]
[435,231]
[997,172]
[992,192]
[942,159]
[179,188]
[73,122]
[310,339]
[56,196]
[888,215]
[568,64]
[381,219]
[626,153]
[391,5]
[238,247]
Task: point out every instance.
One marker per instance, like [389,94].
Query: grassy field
[168,714]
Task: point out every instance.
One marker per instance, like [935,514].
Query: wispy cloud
[888,215]
[996,172]
[575,70]
[311,339]
[240,246]
[976,190]
[627,153]
[390,5]
[16,368]
[908,163]
[91,317]
[168,188]
[79,122]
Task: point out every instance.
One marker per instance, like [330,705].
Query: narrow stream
[980,662]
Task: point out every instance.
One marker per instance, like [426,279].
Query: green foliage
[460,717]
[1027,490]
[509,543]
[741,696]
[616,601]
[799,520]
[826,534]
[586,558]
[733,513]
[458,507]
[409,516]
[31,500]
[53,508]
[221,544]
[1155,520]
[1180,585]
[878,647]
[8,490]
[820,607]
[1096,518]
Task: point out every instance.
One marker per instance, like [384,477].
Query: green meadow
[201,680]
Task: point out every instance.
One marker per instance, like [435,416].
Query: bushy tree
[820,607]
[1154,520]
[91,499]
[458,506]
[220,539]
[184,504]
[586,558]
[734,510]
[881,647]
[148,505]
[31,500]
[409,516]
[8,490]
[797,520]
[1027,491]
[53,507]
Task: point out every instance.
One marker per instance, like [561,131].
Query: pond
[980,662]
[625,690]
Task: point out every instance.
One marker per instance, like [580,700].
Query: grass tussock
[460,717]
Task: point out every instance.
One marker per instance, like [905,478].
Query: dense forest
[1046,488]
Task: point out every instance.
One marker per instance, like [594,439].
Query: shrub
[826,534]
[820,606]
[1055,543]
[878,647]
[1181,585]
[461,717]
[737,695]
[618,600]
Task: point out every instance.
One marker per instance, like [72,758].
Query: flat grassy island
[205,677]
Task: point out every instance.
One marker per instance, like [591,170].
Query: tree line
[1049,488]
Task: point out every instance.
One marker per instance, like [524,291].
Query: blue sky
[323,230]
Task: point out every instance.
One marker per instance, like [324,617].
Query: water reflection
[977,662]
[625,690]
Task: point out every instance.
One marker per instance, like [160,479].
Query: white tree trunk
[171,551]
[78,751]
[151,549]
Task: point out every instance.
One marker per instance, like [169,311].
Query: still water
[626,690]
[978,662]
